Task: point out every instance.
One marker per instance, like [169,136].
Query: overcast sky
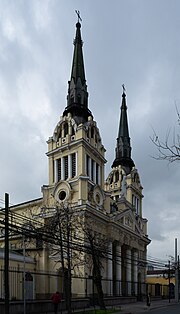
[132,42]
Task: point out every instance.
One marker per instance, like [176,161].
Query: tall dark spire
[77,98]
[123,147]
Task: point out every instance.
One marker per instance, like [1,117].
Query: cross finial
[78,15]
[123,88]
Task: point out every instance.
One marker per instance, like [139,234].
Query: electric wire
[156,263]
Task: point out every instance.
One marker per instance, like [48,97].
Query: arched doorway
[157,289]
[171,290]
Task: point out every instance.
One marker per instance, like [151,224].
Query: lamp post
[24,274]
[176,274]
[6,258]
[169,277]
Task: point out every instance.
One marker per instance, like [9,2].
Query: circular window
[62,192]
[98,197]
[62,195]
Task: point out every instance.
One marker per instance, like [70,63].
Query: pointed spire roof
[123,146]
[123,126]
[78,62]
[77,98]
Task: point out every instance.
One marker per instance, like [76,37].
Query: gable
[128,220]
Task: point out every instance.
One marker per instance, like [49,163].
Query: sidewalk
[141,307]
[131,308]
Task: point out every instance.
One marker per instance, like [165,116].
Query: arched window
[92,132]
[116,176]
[60,133]
[111,179]
[73,132]
[66,129]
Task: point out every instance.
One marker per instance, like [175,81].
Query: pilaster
[128,270]
[118,269]
[110,270]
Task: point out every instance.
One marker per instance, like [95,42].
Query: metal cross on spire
[78,15]
[123,88]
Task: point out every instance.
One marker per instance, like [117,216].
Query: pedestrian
[148,299]
[56,299]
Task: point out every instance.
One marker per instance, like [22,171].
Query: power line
[21,219]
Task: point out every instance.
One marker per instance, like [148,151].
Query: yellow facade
[76,179]
[158,285]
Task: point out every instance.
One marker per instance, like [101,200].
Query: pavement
[141,307]
[131,308]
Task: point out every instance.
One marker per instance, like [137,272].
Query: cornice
[69,146]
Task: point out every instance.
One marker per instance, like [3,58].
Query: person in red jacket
[56,299]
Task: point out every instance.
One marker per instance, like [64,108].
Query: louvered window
[59,169]
[73,165]
[66,166]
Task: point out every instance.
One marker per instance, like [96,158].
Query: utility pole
[24,273]
[178,278]
[176,274]
[6,257]
[169,276]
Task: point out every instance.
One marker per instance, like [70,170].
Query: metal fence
[40,285]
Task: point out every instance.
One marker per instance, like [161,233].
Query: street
[173,309]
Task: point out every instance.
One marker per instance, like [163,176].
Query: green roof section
[78,63]
[123,126]
[123,147]
[77,98]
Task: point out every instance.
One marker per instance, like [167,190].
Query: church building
[76,171]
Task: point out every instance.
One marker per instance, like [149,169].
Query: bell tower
[123,147]
[123,182]
[75,151]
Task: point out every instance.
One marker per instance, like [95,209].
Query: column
[135,271]
[56,170]
[76,164]
[128,270]
[70,166]
[143,271]
[94,171]
[110,271]
[99,174]
[118,269]
[89,165]
[63,131]
[62,168]
[70,129]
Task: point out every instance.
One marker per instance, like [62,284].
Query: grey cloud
[124,42]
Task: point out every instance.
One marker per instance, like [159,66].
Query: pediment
[128,220]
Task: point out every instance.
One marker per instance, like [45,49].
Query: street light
[24,274]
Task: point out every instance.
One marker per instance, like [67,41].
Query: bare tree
[62,227]
[97,250]
[71,236]
[77,239]
[59,234]
[168,149]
